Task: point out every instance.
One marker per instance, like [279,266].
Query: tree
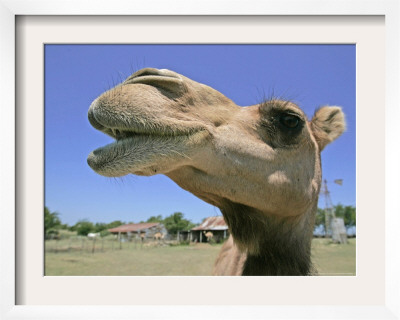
[155,219]
[64,226]
[51,223]
[100,226]
[320,217]
[83,227]
[176,222]
[114,224]
[348,213]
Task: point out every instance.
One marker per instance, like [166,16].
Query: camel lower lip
[134,154]
[101,159]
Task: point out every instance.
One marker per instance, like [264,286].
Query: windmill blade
[338,181]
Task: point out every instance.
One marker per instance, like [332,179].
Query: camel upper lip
[161,79]
[119,132]
[115,133]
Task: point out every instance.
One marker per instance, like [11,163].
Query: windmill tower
[329,212]
[334,227]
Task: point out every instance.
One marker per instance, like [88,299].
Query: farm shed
[133,229]
[216,225]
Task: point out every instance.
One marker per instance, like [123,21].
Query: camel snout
[92,118]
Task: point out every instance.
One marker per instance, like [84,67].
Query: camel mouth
[138,151]
[130,153]
[141,141]
[122,134]
[118,131]
[109,160]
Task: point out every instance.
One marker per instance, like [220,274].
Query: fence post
[94,245]
[140,238]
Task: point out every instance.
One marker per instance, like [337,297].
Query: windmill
[334,227]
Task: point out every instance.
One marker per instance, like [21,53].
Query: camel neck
[277,258]
[273,246]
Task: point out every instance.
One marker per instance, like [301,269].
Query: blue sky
[310,75]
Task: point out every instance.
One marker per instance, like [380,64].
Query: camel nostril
[152,72]
[160,79]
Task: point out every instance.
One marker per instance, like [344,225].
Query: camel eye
[290,121]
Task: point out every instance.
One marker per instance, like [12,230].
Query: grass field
[181,260]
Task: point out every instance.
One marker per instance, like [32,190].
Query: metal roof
[212,223]
[134,227]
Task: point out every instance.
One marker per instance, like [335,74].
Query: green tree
[52,223]
[83,227]
[99,226]
[320,217]
[348,213]
[155,219]
[176,222]
[64,226]
[114,224]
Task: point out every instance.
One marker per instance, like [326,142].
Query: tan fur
[158,236]
[209,235]
[328,123]
[230,260]
[262,173]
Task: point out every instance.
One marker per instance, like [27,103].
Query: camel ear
[327,124]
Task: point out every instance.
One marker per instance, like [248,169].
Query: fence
[99,244]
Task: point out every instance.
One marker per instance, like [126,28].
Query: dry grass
[131,260]
[334,259]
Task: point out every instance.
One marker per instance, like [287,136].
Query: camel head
[265,157]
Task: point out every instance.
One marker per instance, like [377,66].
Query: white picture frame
[9,178]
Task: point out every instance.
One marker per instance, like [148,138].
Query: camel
[260,164]
[158,236]
[209,235]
